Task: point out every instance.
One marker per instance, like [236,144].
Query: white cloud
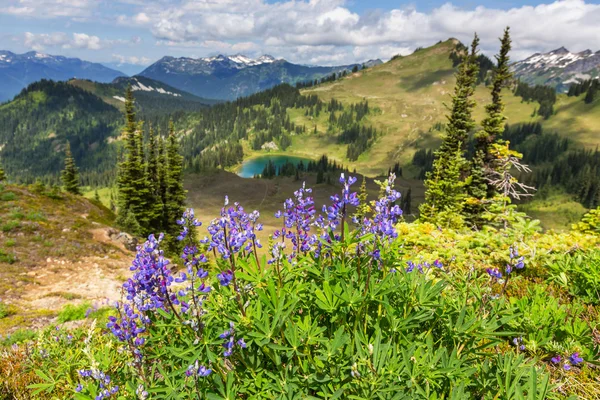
[41,41]
[286,26]
[131,59]
[48,8]
[320,31]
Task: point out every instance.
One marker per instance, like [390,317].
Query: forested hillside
[35,127]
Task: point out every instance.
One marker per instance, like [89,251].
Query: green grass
[8,196]
[72,312]
[555,210]
[19,336]
[411,93]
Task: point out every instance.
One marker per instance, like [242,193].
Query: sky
[318,32]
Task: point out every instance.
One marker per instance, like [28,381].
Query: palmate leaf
[47,386]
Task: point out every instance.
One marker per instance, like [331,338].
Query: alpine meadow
[299,200]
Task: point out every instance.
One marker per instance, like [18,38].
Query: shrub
[8,196]
[590,223]
[579,274]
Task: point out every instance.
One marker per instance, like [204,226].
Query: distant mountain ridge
[17,71]
[229,77]
[558,68]
[150,95]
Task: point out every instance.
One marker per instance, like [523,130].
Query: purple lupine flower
[567,367]
[298,216]
[575,359]
[197,370]
[556,359]
[225,277]
[438,264]
[387,213]
[494,273]
[234,231]
[103,381]
[338,208]
[520,263]
[230,342]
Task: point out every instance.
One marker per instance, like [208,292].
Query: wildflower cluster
[148,288]
[298,215]
[197,288]
[387,213]
[103,381]
[230,342]
[573,360]
[196,370]
[515,262]
[234,232]
[423,266]
[518,342]
[335,214]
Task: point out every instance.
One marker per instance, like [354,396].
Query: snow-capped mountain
[208,65]
[558,68]
[229,77]
[19,70]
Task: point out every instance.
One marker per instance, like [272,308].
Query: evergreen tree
[320,177]
[96,196]
[175,193]
[407,202]
[2,174]
[445,195]
[162,179]
[156,205]
[70,175]
[493,124]
[135,196]
[126,167]
[590,94]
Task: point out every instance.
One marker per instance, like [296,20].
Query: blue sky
[325,32]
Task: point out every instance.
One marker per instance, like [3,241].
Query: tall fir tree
[446,193]
[126,166]
[134,193]
[156,205]
[407,202]
[493,124]
[2,174]
[162,178]
[70,174]
[175,193]
[590,94]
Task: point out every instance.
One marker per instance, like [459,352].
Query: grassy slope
[410,93]
[54,251]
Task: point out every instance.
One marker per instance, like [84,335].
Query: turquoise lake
[256,165]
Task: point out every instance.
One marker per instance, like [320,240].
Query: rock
[269,146]
[128,241]
[66,230]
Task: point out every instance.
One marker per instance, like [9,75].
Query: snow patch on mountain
[138,86]
[119,98]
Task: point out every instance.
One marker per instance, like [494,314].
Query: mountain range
[558,68]
[19,70]
[229,77]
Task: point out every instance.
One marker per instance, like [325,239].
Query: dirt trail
[96,279]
